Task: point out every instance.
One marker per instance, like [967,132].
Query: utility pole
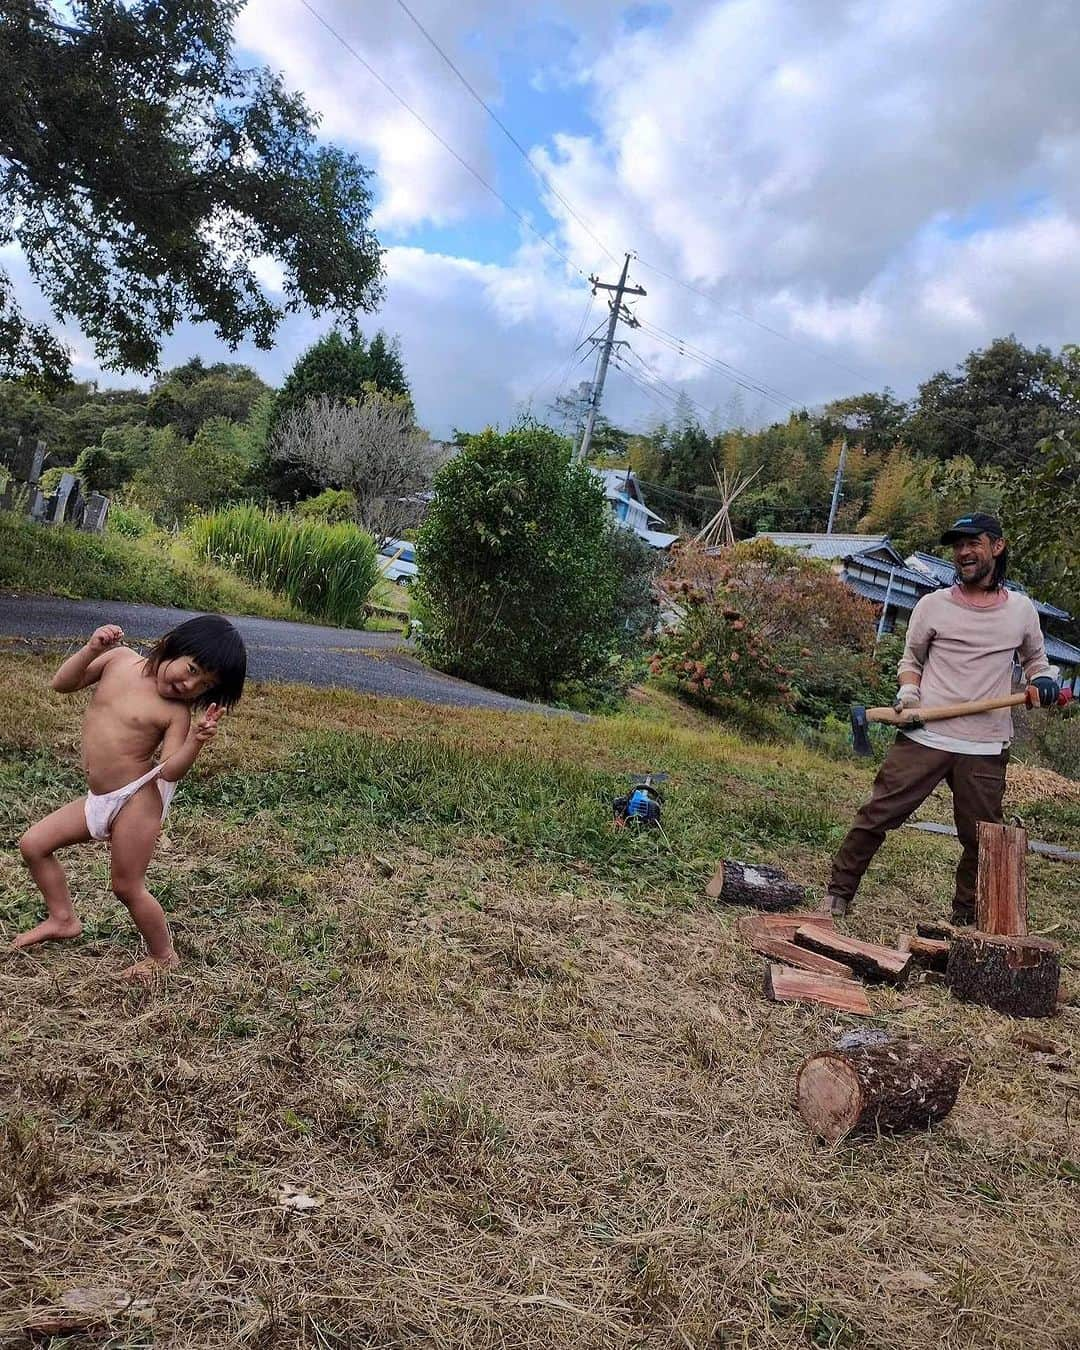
[618,311]
[836,486]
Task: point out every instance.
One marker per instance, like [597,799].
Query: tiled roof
[1062,652]
[869,590]
[907,574]
[825,545]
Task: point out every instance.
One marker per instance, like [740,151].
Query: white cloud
[887,182]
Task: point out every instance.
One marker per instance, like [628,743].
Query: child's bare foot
[51,930]
[147,970]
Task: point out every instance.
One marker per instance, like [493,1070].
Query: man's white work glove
[908,698]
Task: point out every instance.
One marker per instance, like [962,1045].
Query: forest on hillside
[1000,433]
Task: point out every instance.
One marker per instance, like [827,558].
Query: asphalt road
[297,653]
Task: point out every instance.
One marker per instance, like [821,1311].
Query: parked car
[397,558]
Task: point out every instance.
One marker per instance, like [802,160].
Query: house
[623,494]
[870,565]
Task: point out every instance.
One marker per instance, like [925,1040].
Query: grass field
[158,569]
[523,1068]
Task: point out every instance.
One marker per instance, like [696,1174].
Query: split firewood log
[868,959]
[784,985]
[754,884]
[1018,976]
[937,931]
[898,1085]
[1001,883]
[783,925]
[799,957]
[930,953]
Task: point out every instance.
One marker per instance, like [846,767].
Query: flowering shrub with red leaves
[768,624]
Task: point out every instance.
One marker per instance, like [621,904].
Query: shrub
[326,570]
[130,520]
[768,623]
[178,479]
[332,506]
[517,580]
[109,465]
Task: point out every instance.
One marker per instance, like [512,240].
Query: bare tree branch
[372,448]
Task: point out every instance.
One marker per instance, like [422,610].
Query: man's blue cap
[967,527]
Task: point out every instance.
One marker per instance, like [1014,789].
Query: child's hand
[206,730]
[108,635]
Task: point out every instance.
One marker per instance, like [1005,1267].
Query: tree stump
[1001,884]
[1018,976]
[755,884]
[896,1086]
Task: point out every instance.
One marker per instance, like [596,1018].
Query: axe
[916,717]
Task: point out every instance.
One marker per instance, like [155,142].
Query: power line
[445,144]
[560,363]
[540,175]
[704,358]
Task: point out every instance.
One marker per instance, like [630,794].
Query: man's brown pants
[907,777]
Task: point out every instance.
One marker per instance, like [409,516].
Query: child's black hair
[215,644]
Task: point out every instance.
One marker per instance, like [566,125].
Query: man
[960,647]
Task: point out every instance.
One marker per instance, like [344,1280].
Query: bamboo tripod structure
[717,532]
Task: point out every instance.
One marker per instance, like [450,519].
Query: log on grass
[754,884]
[937,931]
[784,985]
[800,957]
[1001,882]
[867,959]
[783,925]
[1018,976]
[930,953]
[900,1085]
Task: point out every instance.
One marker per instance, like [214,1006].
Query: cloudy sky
[855,193]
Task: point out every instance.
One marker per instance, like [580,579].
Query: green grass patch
[153,570]
[344,792]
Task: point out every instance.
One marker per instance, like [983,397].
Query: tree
[178,480]
[1044,507]
[1002,402]
[370,448]
[874,421]
[517,581]
[114,461]
[190,395]
[343,369]
[142,173]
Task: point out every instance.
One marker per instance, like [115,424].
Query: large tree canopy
[143,172]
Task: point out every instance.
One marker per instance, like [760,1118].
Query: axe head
[860,735]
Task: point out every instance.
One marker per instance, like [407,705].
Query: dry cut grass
[449,1064]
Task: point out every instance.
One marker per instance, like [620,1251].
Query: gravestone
[62,501]
[26,460]
[39,504]
[94,516]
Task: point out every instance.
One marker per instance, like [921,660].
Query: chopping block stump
[1018,976]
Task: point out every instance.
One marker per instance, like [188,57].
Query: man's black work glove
[1049,690]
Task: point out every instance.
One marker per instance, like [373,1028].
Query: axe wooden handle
[917,716]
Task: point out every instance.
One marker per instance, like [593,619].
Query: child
[139,704]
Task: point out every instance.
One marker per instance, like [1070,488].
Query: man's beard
[979,576]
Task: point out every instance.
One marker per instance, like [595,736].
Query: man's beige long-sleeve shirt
[962,653]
